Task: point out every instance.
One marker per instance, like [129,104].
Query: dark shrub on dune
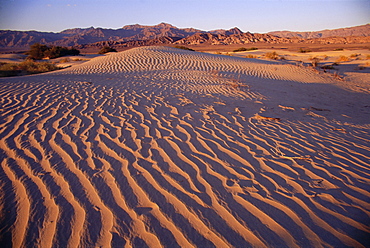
[39,51]
[107,49]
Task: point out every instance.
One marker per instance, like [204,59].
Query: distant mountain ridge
[164,33]
[79,36]
[363,30]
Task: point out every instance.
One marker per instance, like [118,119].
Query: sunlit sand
[161,147]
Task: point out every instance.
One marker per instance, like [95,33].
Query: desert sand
[161,147]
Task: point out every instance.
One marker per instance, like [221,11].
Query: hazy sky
[249,15]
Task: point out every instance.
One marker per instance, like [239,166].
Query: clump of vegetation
[272,55]
[342,58]
[314,61]
[65,60]
[338,49]
[184,48]
[328,67]
[304,50]
[25,68]
[40,51]
[250,56]
[355,55]
[243,49]
[107,49]
[368,56]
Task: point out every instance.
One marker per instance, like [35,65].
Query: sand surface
[161,147]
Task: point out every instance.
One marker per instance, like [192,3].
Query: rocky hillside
[81,36]
[362,31]
[163,33]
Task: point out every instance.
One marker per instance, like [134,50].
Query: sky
[257,16]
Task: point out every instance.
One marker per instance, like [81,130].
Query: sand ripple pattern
[147,148]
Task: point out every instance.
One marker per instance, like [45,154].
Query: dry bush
[327,67]
[65,60]
[314,61]
[343,58]
[272,55]
[250,56]
[231,81]
[26,68]
[304,50]
[242,49]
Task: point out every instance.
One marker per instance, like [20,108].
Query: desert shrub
[250,56]
[39,51]
[241,49]
[57,51]
[368,56]
[107,49]
[79,59]
[304,50]
[342,58]
[26,68]
[314,61]
[65,60]
[184,48]
[355,55]
[272,55]
[338,49]
[328,67]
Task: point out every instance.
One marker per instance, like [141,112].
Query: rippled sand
[162,147]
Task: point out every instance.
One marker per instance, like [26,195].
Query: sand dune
[160,147]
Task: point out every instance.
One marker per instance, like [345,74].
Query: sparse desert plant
[26,68]
[342,58]
[184,48]
[250,56]
[272,55]
[38,51]
[355,55]
[107,49]
[328,67]
[242,49]
[314,61]
[338,49]
[368,56]
[304,50]
[57,51]
[65,60]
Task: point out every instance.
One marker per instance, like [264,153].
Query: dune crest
[161,147]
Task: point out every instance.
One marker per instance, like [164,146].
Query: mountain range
[360,31]
[164,33]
